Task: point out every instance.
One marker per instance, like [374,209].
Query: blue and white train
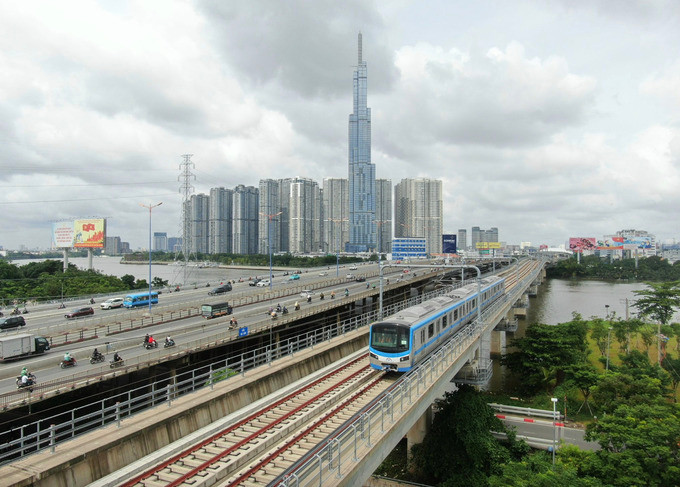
[406,338]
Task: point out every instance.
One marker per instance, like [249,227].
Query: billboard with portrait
[579,244]
[89,233]
[637,243]
[610,243]
[62,235]
[449,243]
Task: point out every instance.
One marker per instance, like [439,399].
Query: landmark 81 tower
[361,171]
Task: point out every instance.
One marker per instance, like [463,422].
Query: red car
[88,310]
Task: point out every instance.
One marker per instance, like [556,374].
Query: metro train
[403,340]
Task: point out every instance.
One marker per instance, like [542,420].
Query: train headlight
[404,358]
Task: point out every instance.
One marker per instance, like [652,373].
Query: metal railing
[524,411]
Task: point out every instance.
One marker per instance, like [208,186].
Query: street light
[554,401]
[150,207]
[606,311]
[609,332]
[269,243]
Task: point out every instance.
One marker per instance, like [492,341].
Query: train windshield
[389,338]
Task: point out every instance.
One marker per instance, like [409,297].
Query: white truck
[17,346]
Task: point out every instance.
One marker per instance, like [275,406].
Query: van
[222,288]
[112,303]
[12,322]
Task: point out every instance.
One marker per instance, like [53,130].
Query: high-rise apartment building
[220,221]
[361,171]
[480,235]
[270,216]
[418,211]
[246,217]
[383,215]
[462,239]
[335,214]
[160,241]
[198,216]
[305,210]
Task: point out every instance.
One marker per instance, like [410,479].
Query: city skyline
[553,134]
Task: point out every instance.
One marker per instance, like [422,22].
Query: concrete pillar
[65,260]
[89,259]
[418,431]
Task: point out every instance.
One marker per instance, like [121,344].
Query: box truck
[17,346]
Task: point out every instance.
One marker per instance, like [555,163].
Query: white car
[263,283]
[324,273]
[112,303]
[351,277]
[353,268]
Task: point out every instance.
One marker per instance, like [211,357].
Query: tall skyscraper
[160,241]
[246,215]
[361,171]
[221,221]
[198,212]
[270,216]
[383,215]
[335,214]
[305,205]
[418,211]
[462,239]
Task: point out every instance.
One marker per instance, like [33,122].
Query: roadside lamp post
[609,333]
[271,277]
[554,401]
[150,207]
[606,311]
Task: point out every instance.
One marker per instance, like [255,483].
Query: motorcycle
[168,344]
[150,345]
[116,363]
[95,359]
[25,311]
[31,382]
[68,363]
[15,311]
[284,311]
[61,306]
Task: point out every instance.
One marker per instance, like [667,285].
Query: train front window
[389,338]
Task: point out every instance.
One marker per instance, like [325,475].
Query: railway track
[229,451]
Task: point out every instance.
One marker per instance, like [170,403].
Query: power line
[99,198]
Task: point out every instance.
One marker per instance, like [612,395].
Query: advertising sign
[579,244]
[449,243]
[637,243]
[611,243]
[89,233]
[62,235]
[488,245]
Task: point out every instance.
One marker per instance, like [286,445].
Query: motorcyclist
[346,292]
[309,298]
[169,341]
[146,339]
[62,306]
[96,354]
[151,340]
[332,294]
[321,296]
[91,300]
[273,315]
[278,307]
[233,322]
[297,306]
[285,310]
[26,380]
[67,357]
[368,285]
[117,358]
[24,371]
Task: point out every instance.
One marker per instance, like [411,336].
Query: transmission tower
[186,189]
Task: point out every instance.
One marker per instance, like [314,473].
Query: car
[324,273]
[351,277]
[307,293]
[112,303]
[353,268]
[294,277]
[360,279]
[85,311]
[263,283]
[222,288]
[12,322]
[254,282]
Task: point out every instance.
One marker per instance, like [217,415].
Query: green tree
[537,470]
[128,280]
[583,376]
[617,388]
[659,302]
[459,449]
[639,445]
[672,367]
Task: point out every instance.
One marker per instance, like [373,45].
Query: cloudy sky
[547,119]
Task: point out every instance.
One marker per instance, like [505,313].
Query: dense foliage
[593,267]
[46,280]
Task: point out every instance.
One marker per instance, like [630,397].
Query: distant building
[160,241]
[462,239]
[174,244]
[335,203]
[409,248]
[418,211]
[246,217]
[383,215]
[112,246]
[220,221]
